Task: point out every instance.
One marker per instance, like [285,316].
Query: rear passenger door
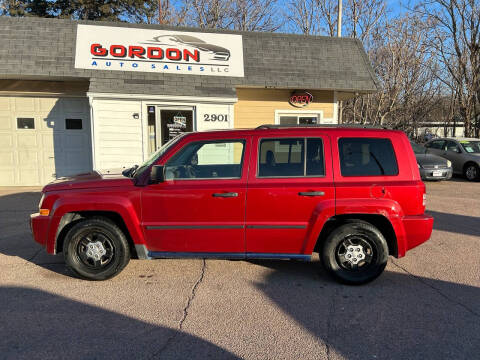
[289,177]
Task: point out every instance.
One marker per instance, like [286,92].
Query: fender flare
[107,203]
[327,210]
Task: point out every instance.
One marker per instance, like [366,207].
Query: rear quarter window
[367,157]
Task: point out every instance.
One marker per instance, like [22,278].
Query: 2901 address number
[215,117]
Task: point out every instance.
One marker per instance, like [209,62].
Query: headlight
[449,163]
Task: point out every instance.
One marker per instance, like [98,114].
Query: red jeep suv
[353,195]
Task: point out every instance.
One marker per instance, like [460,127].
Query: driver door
[200,207]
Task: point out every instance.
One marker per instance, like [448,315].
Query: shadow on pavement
[395,317]
[460,224]
[16,237]
[40,325]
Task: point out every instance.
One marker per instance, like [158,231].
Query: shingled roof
[36,48]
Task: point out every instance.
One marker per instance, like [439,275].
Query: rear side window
[287,157]
[436,144]
[367,157]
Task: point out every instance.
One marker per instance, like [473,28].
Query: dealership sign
[159,51]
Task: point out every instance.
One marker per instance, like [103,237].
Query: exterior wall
[118,136]
[258,106]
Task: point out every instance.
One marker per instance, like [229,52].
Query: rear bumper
[418,229]
[39,227]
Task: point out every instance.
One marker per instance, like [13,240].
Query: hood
[90,180]
[430,159]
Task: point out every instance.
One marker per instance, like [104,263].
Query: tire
[99,262]
[362,266]
[471,172]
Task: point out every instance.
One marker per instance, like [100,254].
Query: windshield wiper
[130,172]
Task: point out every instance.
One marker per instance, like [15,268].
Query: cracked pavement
[425,306]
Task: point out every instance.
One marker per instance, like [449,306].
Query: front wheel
[96,249]
[355,253]
[472,172]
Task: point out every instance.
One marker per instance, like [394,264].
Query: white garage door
[42,138]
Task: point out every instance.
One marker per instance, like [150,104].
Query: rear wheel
[471,172]
[96,249]
[355,253]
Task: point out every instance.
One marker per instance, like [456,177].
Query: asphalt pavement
[425,306]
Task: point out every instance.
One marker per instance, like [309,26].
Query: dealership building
[77,96]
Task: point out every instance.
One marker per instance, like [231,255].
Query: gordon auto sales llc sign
[160,51]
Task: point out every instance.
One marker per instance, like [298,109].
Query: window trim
[305,138]
[367,137]
[242,140]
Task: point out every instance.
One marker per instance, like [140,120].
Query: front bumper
[418,229]
[427,174]
[39,226]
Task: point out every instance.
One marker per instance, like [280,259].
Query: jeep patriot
[354,195]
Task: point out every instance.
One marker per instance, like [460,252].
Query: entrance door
[200,208]
[173,121]
[167,122]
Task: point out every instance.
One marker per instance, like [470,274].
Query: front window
[157,154]
[207,160]
[471,146]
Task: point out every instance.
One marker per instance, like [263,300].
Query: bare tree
[455,40]
[255,15]
[210,13]
[405,70]
[312,17]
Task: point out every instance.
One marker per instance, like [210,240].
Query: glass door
[167,122]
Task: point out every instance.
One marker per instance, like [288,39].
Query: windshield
[417,149]
[472,147]
[156,155]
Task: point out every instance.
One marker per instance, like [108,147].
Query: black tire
[113,253]
[471,172]
[365,243]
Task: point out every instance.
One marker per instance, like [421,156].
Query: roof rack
[355,126]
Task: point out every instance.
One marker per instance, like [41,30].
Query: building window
[299,119]
[25,123]
[73,124]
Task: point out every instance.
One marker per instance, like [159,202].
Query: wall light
[135,115]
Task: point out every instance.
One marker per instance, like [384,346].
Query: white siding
[117,134]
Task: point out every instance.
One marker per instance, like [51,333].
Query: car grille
[433,167]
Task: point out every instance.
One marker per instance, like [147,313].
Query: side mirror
[157,174]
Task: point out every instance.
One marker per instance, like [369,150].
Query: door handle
[311,193]
[227,194]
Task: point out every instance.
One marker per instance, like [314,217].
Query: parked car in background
[464,153]
[352,195]
[432,167]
